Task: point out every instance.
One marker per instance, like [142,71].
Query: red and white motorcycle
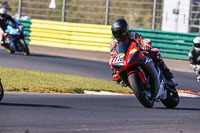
[143,76]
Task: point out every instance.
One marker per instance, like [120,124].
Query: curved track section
[80,67]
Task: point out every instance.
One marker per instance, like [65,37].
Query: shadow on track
[33,105]
[45,55]
[32,55]
[186,109]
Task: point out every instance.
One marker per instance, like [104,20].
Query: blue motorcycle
[15,40]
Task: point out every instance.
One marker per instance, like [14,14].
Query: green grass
[17,80]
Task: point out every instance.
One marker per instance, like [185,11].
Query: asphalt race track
[53,113]
[80,67]
[57,64]
[32,113]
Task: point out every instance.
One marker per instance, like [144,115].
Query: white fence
[139,14]
[195,16]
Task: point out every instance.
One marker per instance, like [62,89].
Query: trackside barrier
[98,37]
[70,35]
[171,44]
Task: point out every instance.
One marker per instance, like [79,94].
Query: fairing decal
[133,57]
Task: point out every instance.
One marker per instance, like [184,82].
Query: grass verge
[17,80]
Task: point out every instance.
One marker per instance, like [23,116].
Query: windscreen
[122,47]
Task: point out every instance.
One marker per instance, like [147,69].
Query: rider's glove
[21,26]
[114,44]
[147,44]
[147,47]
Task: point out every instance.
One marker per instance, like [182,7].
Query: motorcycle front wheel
[24,46]
[141,91]
[1,91]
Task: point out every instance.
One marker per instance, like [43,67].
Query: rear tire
[142,93]
[1,91]
[172,98]
[24,46]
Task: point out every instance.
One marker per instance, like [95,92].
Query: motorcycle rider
[4,21]
[121,34]
[194,55]
[5,18]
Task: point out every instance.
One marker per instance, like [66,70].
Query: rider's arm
[191,56]
[10,18]
[113,46]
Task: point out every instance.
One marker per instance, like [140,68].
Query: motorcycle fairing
[12,31]
[119,61]
[132,54]
[128,54]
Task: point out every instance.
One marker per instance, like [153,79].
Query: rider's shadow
[179,108]
[45,55]
[34,105]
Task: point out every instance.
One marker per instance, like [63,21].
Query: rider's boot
[2,42]
[198,76]
[118,78]
[198,79]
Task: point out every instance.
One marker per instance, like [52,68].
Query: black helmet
[119,28]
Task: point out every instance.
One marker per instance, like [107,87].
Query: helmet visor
[120,34]
[197,45]
[117,34]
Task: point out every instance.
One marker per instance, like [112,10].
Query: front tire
[7,47]
[143,94]
[1,91]
[172,97]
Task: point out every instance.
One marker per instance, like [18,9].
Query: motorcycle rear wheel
[140,90]
[24,46]
[172,98]
[1,91]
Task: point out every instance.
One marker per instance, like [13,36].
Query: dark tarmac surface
[50,113]
[66,113]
